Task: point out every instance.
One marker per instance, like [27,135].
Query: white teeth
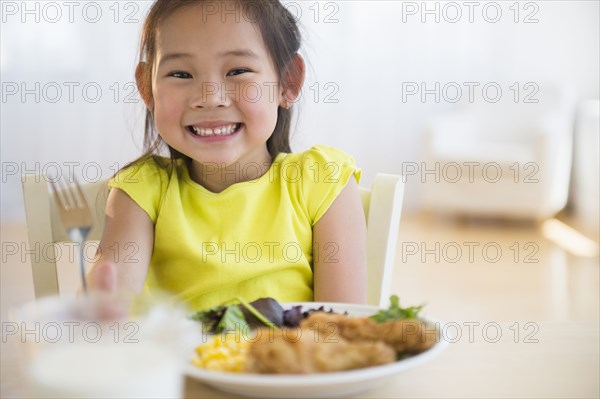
[216,132]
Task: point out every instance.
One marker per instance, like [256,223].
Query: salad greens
[259,313]
[262,312]
[395,312]
[268,312]
[214,319]
[233,319]
[256,313]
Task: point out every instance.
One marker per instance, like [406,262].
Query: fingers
[104,302]
[103,277]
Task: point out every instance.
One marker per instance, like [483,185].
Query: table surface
[542,359]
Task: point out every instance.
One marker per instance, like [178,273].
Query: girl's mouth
[224,130]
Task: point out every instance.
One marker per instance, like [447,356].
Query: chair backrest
[44,229]
[382,205]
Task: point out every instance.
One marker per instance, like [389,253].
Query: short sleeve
[144,181]
[325,173]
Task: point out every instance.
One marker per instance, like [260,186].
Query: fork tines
[72,204]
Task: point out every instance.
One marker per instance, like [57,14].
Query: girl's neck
[218,177]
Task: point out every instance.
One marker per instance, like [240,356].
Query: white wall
[363,58]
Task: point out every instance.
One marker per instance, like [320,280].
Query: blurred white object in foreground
[505,159]
[103,345]
[586,193]
[105,370]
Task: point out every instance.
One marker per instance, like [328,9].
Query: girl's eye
[180,75]
[237,71]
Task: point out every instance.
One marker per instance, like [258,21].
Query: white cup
[105,370]
[104,347]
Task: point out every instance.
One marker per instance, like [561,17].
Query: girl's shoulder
[147,168]
[146,174]
[321,164]
[145,181]
[319,156]
[317,176]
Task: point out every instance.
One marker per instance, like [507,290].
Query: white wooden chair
[382,205]
[54,266]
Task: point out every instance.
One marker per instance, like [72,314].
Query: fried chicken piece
[405,336]
[301,351]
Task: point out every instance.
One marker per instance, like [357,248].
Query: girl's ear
[143,79]
[293,81]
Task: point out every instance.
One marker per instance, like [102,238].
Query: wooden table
[563,363]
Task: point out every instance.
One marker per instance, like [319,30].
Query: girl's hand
[102,301]
[102,277]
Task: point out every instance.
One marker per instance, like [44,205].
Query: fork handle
[82,268]
[79,235]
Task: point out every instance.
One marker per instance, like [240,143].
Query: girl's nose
[209,95]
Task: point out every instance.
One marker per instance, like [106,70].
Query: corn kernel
[225,352]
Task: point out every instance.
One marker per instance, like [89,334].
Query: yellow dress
[252,240]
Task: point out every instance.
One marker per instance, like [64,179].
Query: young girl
[232,212]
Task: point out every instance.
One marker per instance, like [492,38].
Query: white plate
[322,385]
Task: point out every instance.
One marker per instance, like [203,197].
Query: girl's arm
[125,249]
[339,249]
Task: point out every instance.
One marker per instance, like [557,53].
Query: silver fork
[75,215]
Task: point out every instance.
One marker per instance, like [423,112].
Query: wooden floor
[463,270]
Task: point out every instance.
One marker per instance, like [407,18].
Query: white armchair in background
[507,159]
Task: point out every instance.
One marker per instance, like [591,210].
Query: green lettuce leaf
[395,312]
[233,319]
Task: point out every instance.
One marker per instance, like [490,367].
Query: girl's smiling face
[215,90]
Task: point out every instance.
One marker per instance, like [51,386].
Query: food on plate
[222,353]
[313,341]
[303,351]
[262,312]
[405,336]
